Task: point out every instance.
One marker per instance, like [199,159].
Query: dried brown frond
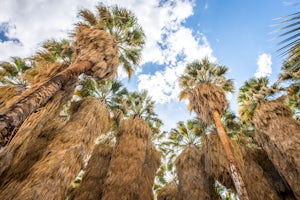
[206,98]
[194,183]
[150,166]
[98,47]
[279,135]
[30,142]
[91,186]
[51,177]
[6,94]
[43,71]
[169,192]
[259,179]
[127,162]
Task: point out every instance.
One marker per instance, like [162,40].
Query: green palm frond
[11,73]
[253,93]
[205,72]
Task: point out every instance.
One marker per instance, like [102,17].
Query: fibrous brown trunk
[15,116]
[91,186]
[234,170]
[30,142]
[262,179]
[194,183]
[126,167]
[51,177]
[150,166]
[168,192]
[279,135]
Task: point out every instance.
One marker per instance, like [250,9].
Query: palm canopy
[204,84]
[55,51]
[122,24]
[253,93]
[109,91]
[139,104]
[205,71]
[11,72]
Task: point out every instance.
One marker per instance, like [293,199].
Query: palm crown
[205,72]
[253,93]
[122,24]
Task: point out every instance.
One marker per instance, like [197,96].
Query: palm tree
[204,83]
[276,130]
[193,182]
[101,43]
[253,93]
[11,72]
[129,159]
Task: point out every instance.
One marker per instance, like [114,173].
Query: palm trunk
[30,143]
[126,166]
[51,177]
[235,172]
[29,104]
[91,186]
[194,183]
[279,135]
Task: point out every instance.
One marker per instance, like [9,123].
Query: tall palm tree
[111,37]
[204,84]
[129,159]
[276,131]
[185,140]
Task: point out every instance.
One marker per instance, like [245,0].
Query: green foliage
[205,72]
[253,93]
[139,104]
[11,72]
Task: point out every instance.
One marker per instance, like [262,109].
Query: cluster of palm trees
[56,104]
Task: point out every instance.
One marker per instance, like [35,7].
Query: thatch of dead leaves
[259,183]
[168,192]
[126,167]
[51,177]
[206,98]
[44,71]
[31,140]
[193,181]
[98,47]
[91,186]
[279,135]
[150,166]
[6,94]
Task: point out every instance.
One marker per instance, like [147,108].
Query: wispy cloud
[264,63]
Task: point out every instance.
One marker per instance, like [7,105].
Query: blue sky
[233,33]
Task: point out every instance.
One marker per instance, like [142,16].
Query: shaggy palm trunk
[262,180]
[6,94]
[51,177]
[168,192]
[30,143]
[126,167]
[279,135]
[235,172]
[91,186]
[150,166]
[15,116]
[193,182]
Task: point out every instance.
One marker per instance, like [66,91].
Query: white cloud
[264,63]
[33,22]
